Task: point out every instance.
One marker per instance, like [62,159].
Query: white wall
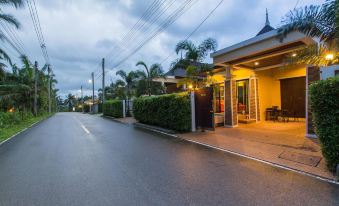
[327,72]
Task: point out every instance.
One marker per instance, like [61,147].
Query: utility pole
[49,89]
[93,92]
[103,80]
[36,88]
[82,99]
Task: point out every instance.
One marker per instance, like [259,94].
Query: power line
[136,27]
[198,27]
[169,20]
[37,27]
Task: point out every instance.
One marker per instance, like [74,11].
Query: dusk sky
[79,33]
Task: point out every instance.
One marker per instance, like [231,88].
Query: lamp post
[92,81]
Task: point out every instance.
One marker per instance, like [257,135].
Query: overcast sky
[78,33]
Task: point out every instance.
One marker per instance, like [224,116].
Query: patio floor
[280,143]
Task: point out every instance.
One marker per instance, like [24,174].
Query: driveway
[77,159]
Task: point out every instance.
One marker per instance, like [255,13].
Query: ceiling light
[256,63]
[294,54]
[329,57]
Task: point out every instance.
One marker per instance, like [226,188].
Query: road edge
[32,125]
[336,182]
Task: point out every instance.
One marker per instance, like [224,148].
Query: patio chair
[275,113]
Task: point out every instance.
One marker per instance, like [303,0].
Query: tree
[320,22]
[196,53]
[129,80]
[7,18]
[154,71]
[70,101]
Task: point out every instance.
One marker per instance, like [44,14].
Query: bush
[8,119]
[86,108]
[113,108]
[172,111]
[324,96]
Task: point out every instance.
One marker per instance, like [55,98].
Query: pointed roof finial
[267,20]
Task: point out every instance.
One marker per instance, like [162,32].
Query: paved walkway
[279,143]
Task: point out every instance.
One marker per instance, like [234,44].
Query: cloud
[79,33]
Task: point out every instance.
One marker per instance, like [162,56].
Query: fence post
[124,108]
[193,112]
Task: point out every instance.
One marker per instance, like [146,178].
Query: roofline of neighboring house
[245,43]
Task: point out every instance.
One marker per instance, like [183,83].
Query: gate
[204,108]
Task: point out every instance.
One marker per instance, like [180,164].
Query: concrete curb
[3,142]
[167,132]
[114,119]
[150,128]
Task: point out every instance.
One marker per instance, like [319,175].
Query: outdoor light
[256,63]
[90,81]
[329,57]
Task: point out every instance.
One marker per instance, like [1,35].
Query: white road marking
[85,129]
[82,126]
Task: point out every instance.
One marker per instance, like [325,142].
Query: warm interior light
[329,57]
[256,63]
[294,54]
[190,86]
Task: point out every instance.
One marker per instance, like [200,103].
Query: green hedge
[113,108]
[171,111]
[324,96]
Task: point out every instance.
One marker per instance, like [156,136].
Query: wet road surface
[78,159]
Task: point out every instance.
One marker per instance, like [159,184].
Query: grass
[6,133]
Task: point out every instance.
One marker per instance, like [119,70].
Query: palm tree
[154,71]
[196,53]
[7,18]
[320,22]
[129,81]
[70,100]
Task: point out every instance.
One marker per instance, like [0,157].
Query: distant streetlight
[90,81]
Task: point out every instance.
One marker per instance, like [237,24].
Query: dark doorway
[204,108]
[242,95]
[293,96]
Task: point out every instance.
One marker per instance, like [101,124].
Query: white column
[193,112]
[124,108]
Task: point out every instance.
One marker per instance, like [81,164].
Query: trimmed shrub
[86,108]
[172,111]
[324,96]
[113,108]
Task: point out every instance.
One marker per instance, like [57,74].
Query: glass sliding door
[242,96]
[219,98]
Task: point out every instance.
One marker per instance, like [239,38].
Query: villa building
[255,81]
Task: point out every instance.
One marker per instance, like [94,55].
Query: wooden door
[204,108]
[293,96]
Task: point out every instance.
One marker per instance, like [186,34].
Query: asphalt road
[77,159]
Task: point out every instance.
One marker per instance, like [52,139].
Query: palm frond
[206,46]
[5,56]
[314,21]
[311,55]
[9,19]
[15,3]
[122,74]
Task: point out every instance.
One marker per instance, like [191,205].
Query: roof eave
[245,43]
